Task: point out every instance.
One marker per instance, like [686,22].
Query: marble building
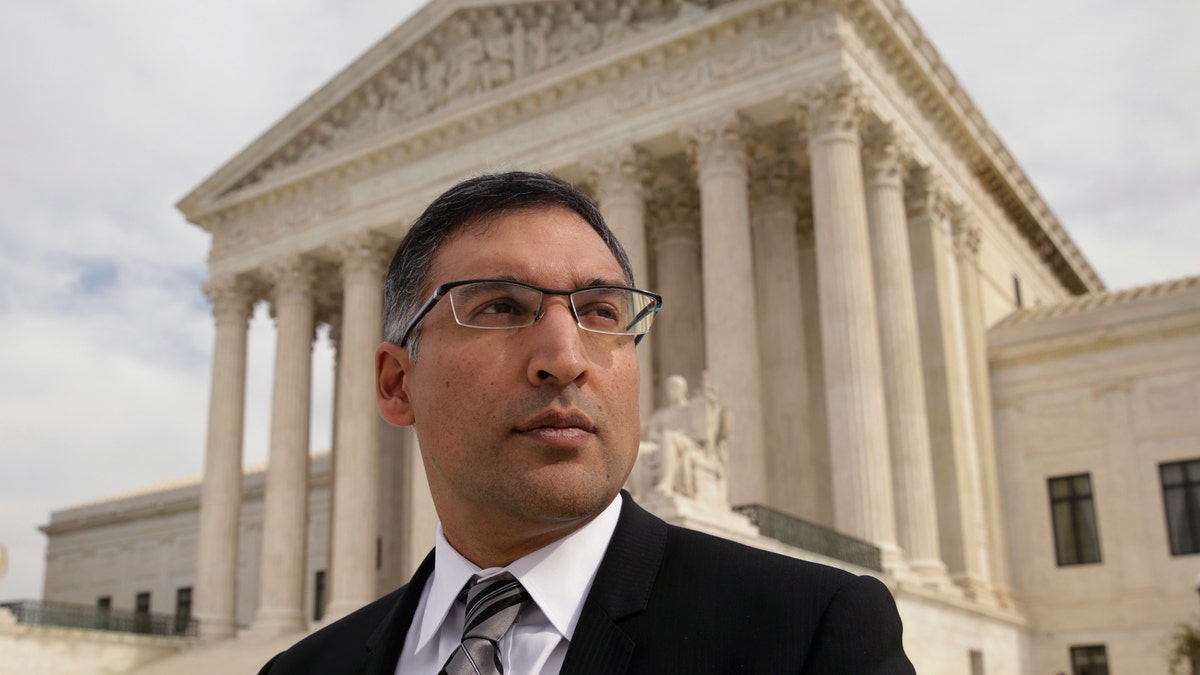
[912,347]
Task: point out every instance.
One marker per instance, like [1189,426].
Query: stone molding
[822,30]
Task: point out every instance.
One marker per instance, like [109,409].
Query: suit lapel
[387,641]
[622,588]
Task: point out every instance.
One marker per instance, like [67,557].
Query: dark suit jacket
[666,600]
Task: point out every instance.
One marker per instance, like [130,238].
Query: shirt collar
[558,576]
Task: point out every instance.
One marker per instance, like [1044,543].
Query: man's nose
[558,353]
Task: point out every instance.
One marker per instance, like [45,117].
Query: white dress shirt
[557,577]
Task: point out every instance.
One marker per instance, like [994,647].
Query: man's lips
[558,427]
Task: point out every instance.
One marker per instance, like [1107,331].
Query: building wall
[1111,392]
[147,542]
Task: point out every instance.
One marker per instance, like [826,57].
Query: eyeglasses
[495,304]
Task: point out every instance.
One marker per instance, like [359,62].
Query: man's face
[534,427]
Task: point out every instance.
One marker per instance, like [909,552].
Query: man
[511,324]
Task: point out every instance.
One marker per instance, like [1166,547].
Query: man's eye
[500,307]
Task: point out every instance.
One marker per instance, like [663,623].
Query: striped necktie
[492,606]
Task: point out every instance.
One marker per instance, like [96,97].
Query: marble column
[818,479]
[966,247]
[356,444]
[962,525]
[679,329]
[285,503]
[730,307]
[781,335]
[221,491]
[617,179]
[858,439]
[900,347]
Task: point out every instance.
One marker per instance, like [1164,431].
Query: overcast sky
[114,109]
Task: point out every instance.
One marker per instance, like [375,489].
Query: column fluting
[221,490]
[718,151]
[356,444]
[285,502]
[863,503]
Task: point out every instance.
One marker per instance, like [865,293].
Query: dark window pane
[1076,531]
[1181,501]
[1172,474]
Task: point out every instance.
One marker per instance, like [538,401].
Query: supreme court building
[915,353]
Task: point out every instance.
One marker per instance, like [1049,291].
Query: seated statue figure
[687,443]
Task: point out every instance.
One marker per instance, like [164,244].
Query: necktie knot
[492,607]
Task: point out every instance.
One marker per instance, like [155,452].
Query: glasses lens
[494,304]
[621,311]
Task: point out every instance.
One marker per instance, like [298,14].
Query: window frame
[1190,506]
[1073,515]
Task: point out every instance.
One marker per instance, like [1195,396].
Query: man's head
[526,433]
[472,203]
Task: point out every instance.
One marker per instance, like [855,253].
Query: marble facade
[833,225]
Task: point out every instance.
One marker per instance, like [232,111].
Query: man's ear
[392,367]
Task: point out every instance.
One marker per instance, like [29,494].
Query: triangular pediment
[448,53]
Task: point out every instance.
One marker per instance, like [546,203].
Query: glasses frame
[444,290]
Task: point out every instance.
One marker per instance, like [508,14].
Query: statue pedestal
[704,516]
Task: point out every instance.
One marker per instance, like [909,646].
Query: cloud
[113,111]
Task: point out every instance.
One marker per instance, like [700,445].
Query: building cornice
[1098,321]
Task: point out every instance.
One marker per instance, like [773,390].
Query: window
[141,613]
[1089,660]
[1181,497]
[103,611]
[319,595]
[976,662]
[183,609]
[1076,536]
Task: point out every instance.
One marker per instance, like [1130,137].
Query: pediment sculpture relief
[685,447]
[473,52]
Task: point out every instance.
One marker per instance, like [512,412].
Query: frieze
[761,54]
[277,214]
[473,52]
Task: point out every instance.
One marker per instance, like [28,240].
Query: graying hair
[470,203]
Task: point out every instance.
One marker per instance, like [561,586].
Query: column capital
[232,297]
[292,277]
[835,107]
[929,194]
[674,210]
[773,172]
[966,234]
[364,252]
[717,143]
[618,172]
[886,156]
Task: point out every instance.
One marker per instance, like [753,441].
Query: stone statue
[686,446]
